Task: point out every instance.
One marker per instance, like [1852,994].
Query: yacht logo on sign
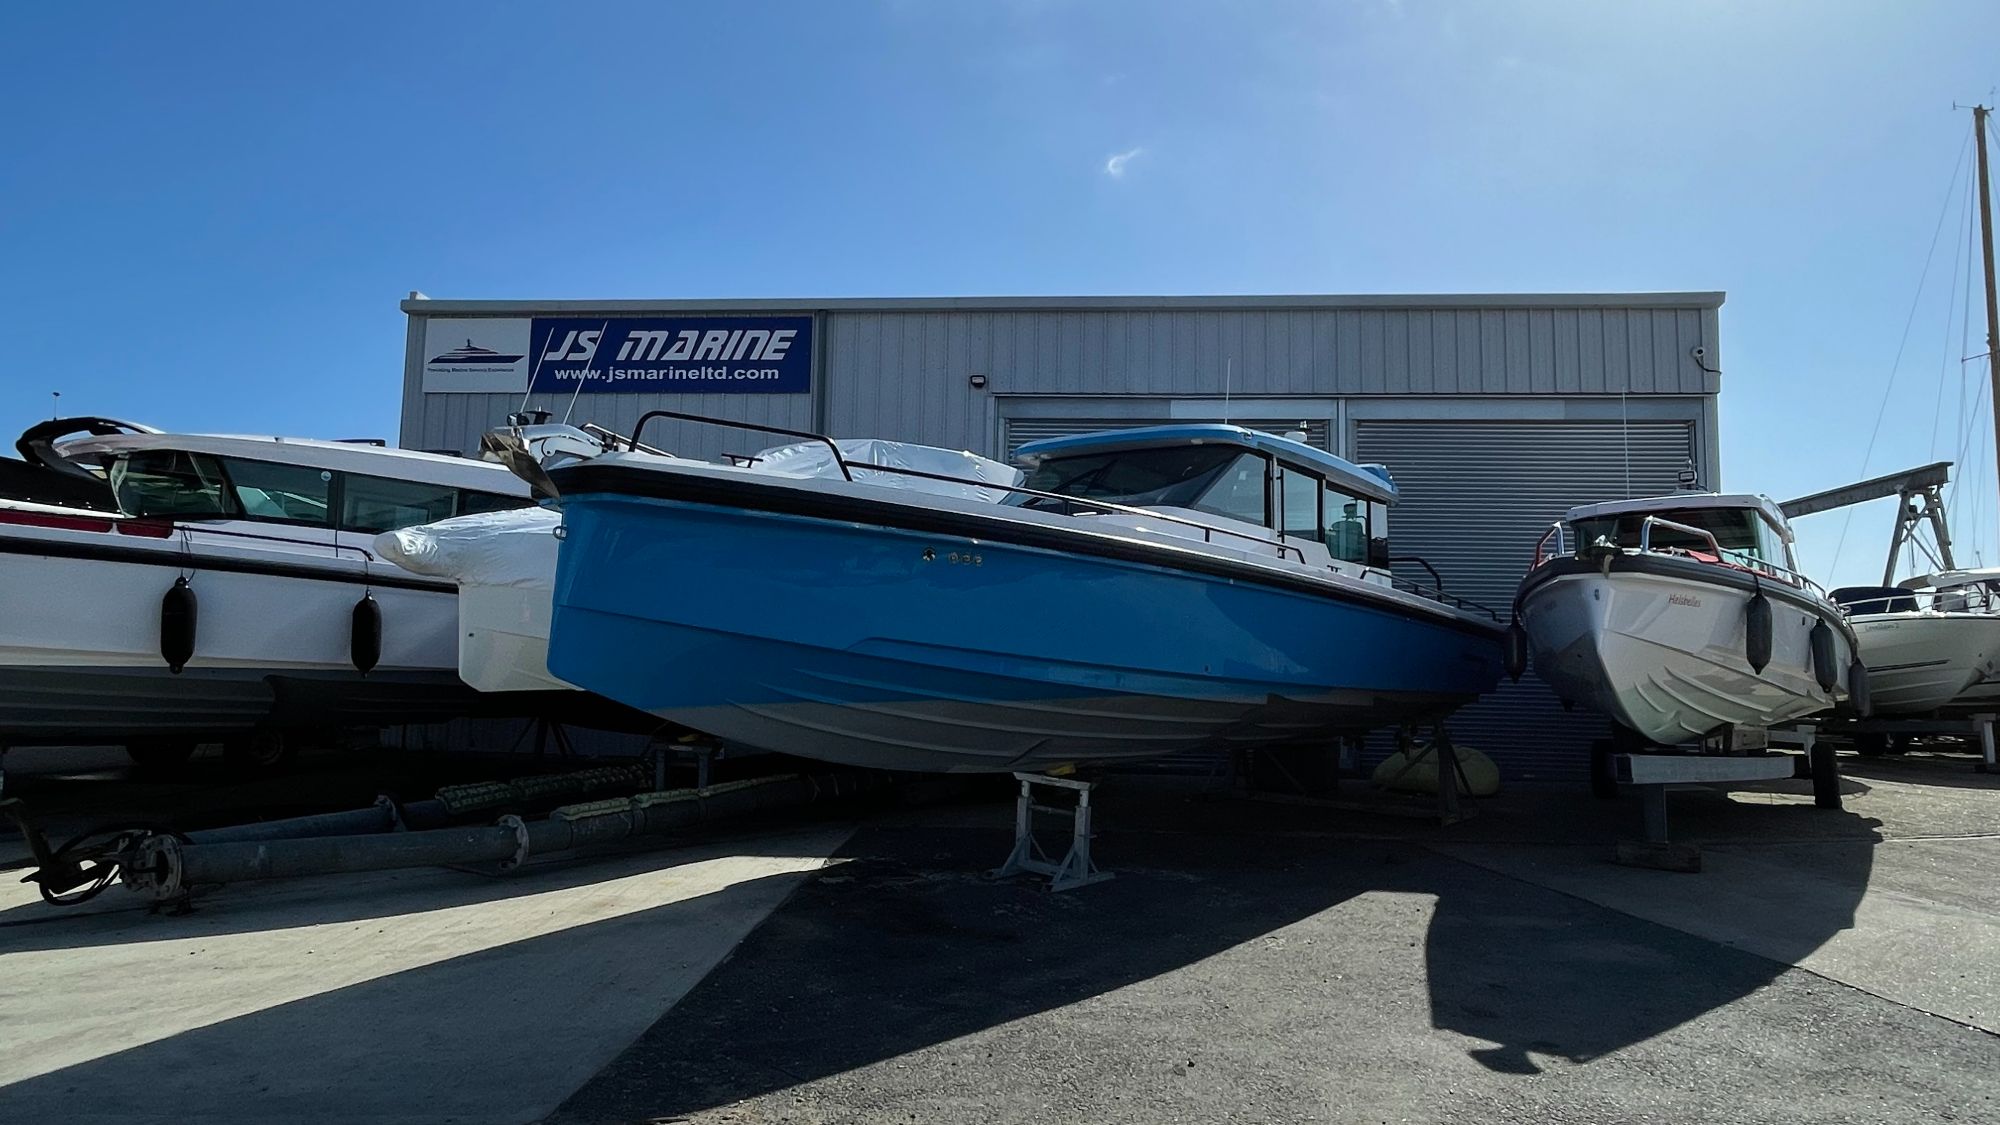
[672,355]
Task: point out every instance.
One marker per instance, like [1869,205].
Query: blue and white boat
[1144,592]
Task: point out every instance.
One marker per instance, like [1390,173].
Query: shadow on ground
[902,945]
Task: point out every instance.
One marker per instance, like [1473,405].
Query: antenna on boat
[1228,371]
[55,405]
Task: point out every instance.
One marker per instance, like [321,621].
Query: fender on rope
[179,613]
[1858,698]
[1826,667]
[364,642]
[1516,650]
[1757,630]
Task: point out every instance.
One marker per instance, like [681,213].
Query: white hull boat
[213,585]
[1921,659]
[1650,621]
[1947,633]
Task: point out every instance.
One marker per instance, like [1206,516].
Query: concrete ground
[1249,962]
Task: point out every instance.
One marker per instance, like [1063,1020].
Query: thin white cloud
[1114,165]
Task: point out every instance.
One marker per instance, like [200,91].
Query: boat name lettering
[1683,599]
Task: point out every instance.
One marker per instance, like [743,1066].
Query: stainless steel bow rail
[162,864]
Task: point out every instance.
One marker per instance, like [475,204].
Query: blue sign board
[671,354]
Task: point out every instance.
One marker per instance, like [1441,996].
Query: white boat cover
[814,459]
[516,547]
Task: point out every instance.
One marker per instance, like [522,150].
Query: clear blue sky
[209,212]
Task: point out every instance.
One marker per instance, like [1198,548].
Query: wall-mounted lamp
[978,382]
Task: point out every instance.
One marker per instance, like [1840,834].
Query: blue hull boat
[879,627]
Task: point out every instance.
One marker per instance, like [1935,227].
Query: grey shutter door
[1474,496]
[1021,431]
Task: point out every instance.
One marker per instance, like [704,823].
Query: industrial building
[1493,412]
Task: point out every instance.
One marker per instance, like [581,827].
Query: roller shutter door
[1021,431]
[1474,497]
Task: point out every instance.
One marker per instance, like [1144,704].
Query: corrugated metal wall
[1474,496]
[906,374]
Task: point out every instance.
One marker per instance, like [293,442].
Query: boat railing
[1557,532]
[612,439]
[1435,591]
[1775,570]
[1209,531]
[632,443]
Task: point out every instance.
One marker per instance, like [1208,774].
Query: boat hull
[1922,662]
[503,639]
[901,649]
[1661,651]
[80,642]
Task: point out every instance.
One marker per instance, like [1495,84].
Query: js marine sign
[665,355]
[611,355]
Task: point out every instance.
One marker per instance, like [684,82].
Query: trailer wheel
[263,752]
[160,756]
[1871,745]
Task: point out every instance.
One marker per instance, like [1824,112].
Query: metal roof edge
[1708,299]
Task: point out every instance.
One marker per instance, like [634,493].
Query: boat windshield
[1743,536]
[1218,479]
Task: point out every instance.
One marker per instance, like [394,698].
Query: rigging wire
[1959,251]
[1964,357]
[1890,384]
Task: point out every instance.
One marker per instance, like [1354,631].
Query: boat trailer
[166,865]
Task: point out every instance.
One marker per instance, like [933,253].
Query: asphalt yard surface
[1249,962]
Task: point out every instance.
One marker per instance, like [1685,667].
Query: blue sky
[209,212]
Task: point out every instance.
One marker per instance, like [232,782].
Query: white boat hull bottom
[1665,656]
[981,736]
[1920,662]
[503,637]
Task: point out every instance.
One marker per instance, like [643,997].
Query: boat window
[1378,533]
[473,503]
[1299,493]
[1738,531]
[1239,490]
[266,490]
[382,504]
[1174,477]
[1346,526]
[168,482]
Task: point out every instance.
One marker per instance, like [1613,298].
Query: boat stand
[1653,773]
[1452,782]
[1075,868]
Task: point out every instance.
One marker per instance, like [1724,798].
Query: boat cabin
[342,486]
[1750,530]
[1228,473]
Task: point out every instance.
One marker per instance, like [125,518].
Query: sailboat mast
[1979,114]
